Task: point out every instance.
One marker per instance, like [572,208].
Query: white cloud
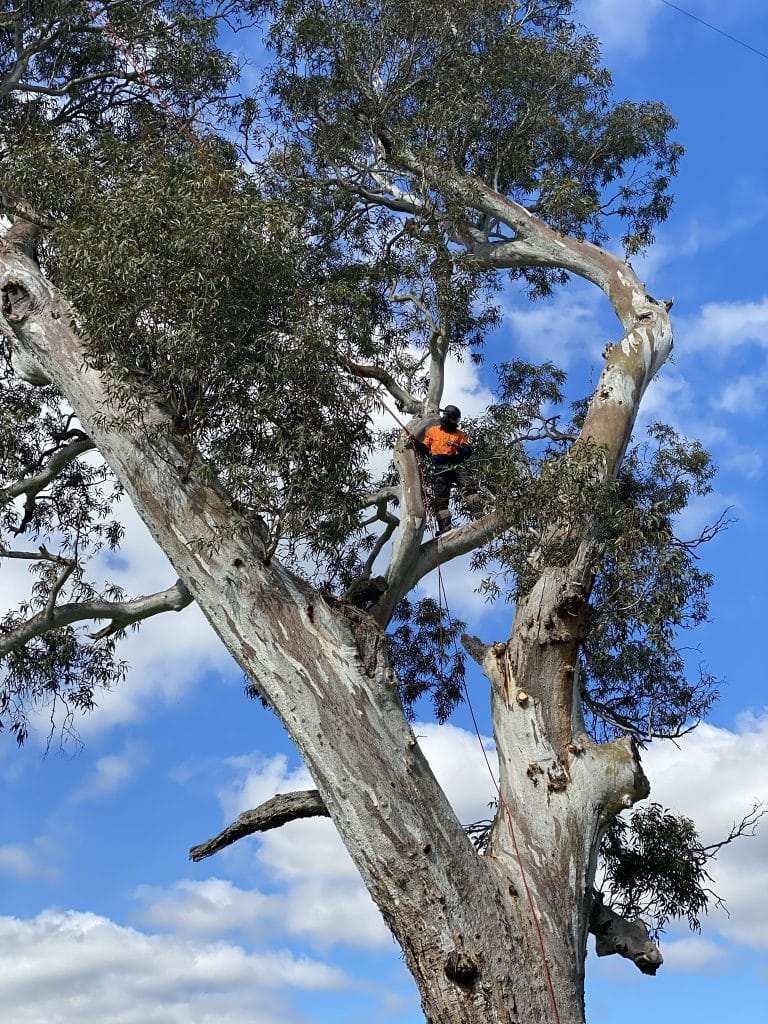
[456,758]
[724,326]
[110,773]
[623,26]
[30,862]
[329,912]
[210,907]
[560,329]
[679,243]
[74,968]
[748,462]
[460,584]
[692,953]
[713,777]
[744,395]
[256,779]
[464,388]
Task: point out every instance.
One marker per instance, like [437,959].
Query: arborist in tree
[449,449]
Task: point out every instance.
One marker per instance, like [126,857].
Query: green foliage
[653,867]
[209,296]
[425,653]
[544,486]
[648,587]
[59,673]
[72,518]
[507,94]
[81,59]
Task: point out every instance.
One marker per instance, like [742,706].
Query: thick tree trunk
[480,950]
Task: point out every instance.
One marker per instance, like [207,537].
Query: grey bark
[273,813]
[468,925]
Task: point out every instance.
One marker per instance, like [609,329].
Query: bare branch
[68,567]
[32,485]
[392,523]
[41,555]
[405,400]
[746,827]
[63,90]
[385,494]
[120,613]
[273,813]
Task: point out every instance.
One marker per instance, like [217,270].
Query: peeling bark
[469,932]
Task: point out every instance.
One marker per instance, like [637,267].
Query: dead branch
[277,811]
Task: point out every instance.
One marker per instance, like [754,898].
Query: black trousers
[445,479]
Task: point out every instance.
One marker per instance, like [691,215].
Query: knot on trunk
[573,609]
[18,299]
[461,968]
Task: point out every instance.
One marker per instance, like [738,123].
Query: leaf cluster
[654,867]
[648,587]
[66,522]
[513,95]
[86,68]
[425,652]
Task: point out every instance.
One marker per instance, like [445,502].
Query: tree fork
[438,896]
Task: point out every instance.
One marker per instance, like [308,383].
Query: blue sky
[103,919]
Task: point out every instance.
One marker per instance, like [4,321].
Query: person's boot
[443,520]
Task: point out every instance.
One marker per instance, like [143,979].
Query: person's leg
[442,493]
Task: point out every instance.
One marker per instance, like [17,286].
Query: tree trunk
[479,948]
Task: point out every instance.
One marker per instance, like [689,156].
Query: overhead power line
[714,28]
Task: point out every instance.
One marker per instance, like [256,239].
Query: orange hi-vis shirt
[440,442]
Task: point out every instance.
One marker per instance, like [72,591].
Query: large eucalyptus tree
[204,299]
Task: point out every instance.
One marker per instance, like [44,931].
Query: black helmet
[450,412]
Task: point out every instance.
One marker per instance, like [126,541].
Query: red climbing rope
[443,602]
[102,21]
[119,44]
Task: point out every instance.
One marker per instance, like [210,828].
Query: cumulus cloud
[692,954]
[721,327]
[210,907]
[714,776]
[254,778]
[111,773]
[64,967]
[561,329]
[744,394]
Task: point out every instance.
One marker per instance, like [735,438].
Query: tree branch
[405,400]
[273,813]
[614,934]
[120,613]
[746,827]
[32,485]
